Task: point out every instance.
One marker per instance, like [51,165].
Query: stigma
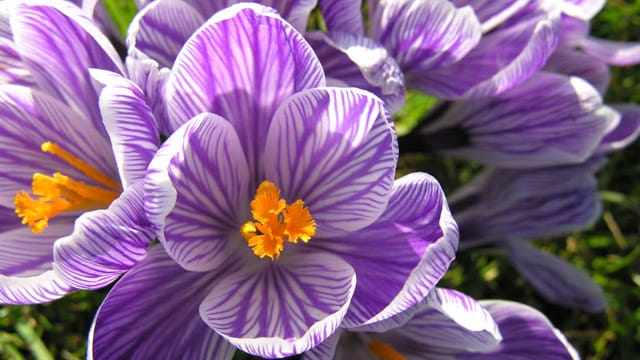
[59,193]
[275,222]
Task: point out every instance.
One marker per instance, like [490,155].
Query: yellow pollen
[276,222]
[60,193]
[384,351]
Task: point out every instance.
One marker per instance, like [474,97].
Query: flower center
[275,222]
[60,193]
[384,351]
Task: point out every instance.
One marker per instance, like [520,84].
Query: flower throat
[60,193]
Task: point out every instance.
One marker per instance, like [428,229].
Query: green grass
[609,250]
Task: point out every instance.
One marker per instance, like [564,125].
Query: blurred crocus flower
[505,207]
[579,54]
[549,120]
[445,49]
[526,204]
[275,205]
[451,325]
[58,159]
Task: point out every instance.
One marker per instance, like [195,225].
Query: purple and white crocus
[275,206]
[59,161]
[451,325]
[447,49]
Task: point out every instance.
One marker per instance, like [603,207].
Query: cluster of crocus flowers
[263,160]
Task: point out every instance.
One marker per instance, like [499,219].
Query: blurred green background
[609,250]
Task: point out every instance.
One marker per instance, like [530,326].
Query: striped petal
[343,15]
[12,69]
[151,78]
[424,35]
[105,243]
[160,30]
[558,281]
[492,13]
[197,192]
[518,212]
[296,12]
[281,308]
[576,63]
[625,133]
[446,323]
[131,126]
[349,189]
[37,289]
[26,274]
[549,120]
[399,258]
[525,44]
[31,118]
[582,9]
[58,45]
[360,62]
[152,313]
[616,53]
[527,333]
[242,64]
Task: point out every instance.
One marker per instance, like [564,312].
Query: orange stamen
[276,222]
[60,193]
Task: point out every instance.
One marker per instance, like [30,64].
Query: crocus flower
[448,49]
[58,158]
[557,280]
[549,120]
[451,325]
[275,207]
[526,204]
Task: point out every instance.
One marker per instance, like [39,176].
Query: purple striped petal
[26,275]
[582,9]
[612,52]
[400,257]
[152,313]
[528,334]
[625,133]
[202,169]
[281,308]
[550,120]
[447,322]
[161,29]
[343,16]
[349,189]
[360,62]
[58,45]
[105,243]
[525,45]
[12,69]
[529,214]
[326,349]
[30,118]
[131,126]
[36,289]
[424,35]
[576,63]
[558,281]
[492,13]
[296,12]
[242,64]
[151,78]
